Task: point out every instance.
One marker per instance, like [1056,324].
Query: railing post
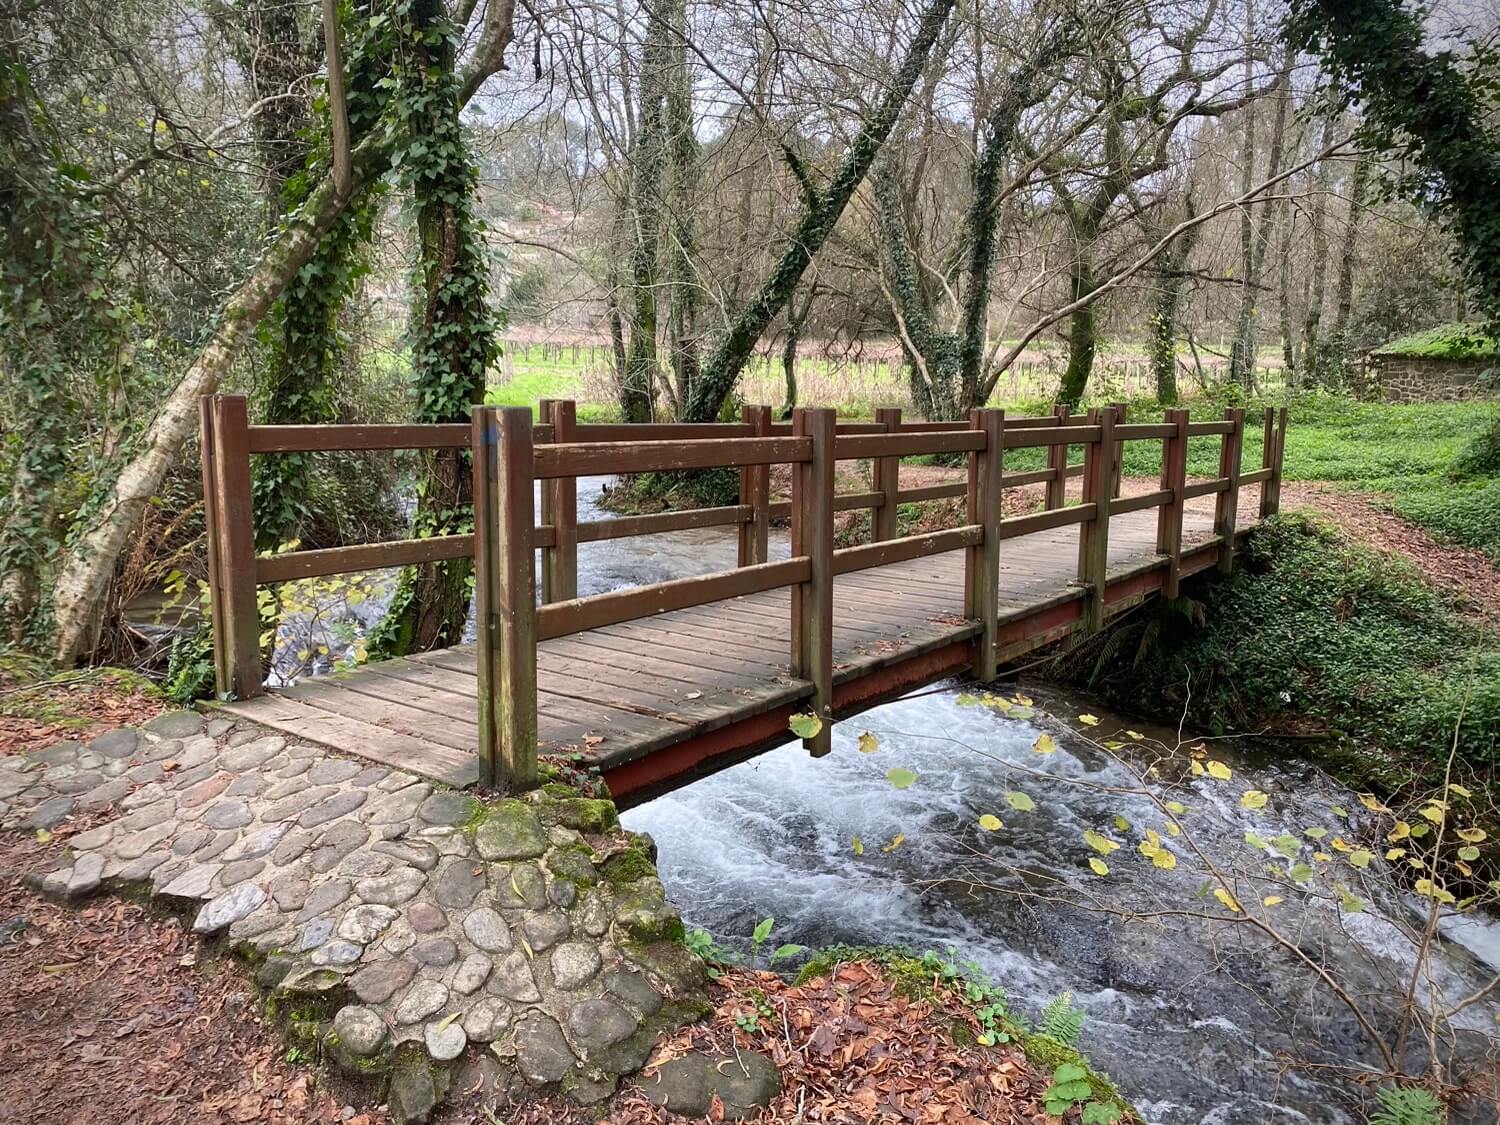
[755,491]
[505,596]
[1276,466]
[1174,451]
[560,509]
[1226,508]
[1057,461]
[982,562]
[1270,458]
[812,536]
[886,480]
[211,523]
[231,531]
[1117,453]
[1093,535]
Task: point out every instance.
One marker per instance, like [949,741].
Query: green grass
[1315,626]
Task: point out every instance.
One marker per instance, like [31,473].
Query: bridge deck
[692,690]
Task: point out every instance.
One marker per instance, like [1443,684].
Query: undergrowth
[1313,634]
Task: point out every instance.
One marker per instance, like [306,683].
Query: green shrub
[1316,627]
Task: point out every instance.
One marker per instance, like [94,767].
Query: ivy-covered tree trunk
[1312,344]
[681,233]
[54,323]
[733,349]
[1083,331]
[1336,357]
[1167,308]
[453,335]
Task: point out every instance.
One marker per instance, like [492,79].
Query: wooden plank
[1055,435]
[1205,488]
[593,458]
[560,509]
[1258,476]
[379,704]
[698,627]
[662,597]
[1138,431]
[1125,506]
[660,431]
[321,438]
[755,495]
[908,443]
[885,475]
[1035,476]
[292,565]
[213,530]
[1093,536]
[850,559]
[1226,511]
[1013,527]
[982,560]
[234,511]
[656,523]
[1174,454]
[507,672]
[1209,429]
[812,539]
[699,659]
[364,740]
[1057,462]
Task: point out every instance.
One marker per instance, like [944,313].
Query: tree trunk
[734,348]
[1082,332]
[1338,341]
[1312,362]
[1167,308]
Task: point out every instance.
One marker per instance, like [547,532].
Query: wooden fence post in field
[1093,535]
[885,478]
[1174,451]
[755,491]
[560,509]
[812,536]
[231,532]
[505,596]
[982,562]
[1057,461]
[1226,509]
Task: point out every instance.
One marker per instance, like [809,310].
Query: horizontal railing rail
[517,458]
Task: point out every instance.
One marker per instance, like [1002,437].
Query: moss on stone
[582,814]
[629,866]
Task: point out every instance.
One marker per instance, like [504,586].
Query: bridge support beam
[1174,453]
[560,510]
[886,479]
[505,596]
[755,491]
[1093,535]
[812,537]
[982,561]
[1226,510]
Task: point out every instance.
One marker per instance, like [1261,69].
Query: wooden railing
[515,458]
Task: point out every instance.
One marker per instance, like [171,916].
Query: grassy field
[1407,456]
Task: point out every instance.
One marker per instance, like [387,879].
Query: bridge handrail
[510,462]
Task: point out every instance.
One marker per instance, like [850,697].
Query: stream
[1194,1019]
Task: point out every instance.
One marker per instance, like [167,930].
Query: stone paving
[415,930]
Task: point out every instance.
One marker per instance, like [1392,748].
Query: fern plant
[1062,1021]
[1408,1105]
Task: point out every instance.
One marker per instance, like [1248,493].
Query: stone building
[1449,363]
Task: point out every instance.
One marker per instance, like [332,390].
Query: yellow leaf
[303,654]
[1322,857]
[1176,807]
[1454,787]
[1135,734]
[1046,744]
[1400,831]
[1219,771]
[1433,891]
[805,725]
[896,841]
[1024,700]
[1089,720]
[1253,799]
[1472,835]
[859,846]
[868,743]
[1197,768]
[1172,829]
[990,822]
[1434,813]
[1019,801]
[1360,858]
[1227,900]
[43,836]
[1369,802]
[1394,854]
[1098,866]
[1341,845]
[1154,850]
[1101,844]
[1272,900]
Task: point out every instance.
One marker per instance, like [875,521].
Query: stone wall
[420,936]
[1406,378]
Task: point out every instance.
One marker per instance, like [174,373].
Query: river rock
[360,1030]
[228,908]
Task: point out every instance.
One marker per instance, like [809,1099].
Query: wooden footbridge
[657,684]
